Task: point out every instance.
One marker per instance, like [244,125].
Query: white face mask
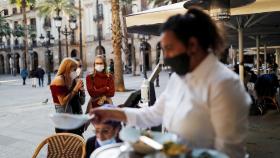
[106,142]
[99,68]
[73,75]
[78,71]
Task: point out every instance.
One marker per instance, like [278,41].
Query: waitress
[204,102]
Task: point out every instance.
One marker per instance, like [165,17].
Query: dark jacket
[77,101]
[24,73]
[40,73]
[92,144]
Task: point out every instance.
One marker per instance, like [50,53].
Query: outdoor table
[114,151]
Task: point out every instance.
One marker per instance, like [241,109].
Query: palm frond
[50,7]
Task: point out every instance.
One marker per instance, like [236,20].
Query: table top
[114,151]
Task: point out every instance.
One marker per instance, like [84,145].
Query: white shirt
[208,108]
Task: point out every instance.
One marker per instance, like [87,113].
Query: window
[31,7]
[15,24]
[6,12]
[33,23]
[14,10]
[16,42]
[8,42]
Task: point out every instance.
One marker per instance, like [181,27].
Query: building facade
[96,33]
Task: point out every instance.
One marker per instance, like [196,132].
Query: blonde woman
[65,87]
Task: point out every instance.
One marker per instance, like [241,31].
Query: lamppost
[99,20]
[47,42]
[58,24]
[73,26]
[81,34]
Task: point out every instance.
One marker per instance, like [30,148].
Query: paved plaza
[24,120]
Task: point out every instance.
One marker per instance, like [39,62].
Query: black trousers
[24,78]
[41,81]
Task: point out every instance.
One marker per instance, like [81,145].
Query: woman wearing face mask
[105,133]
[204,102]
[65,87]
[100,84]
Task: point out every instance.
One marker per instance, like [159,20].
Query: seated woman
[105,133]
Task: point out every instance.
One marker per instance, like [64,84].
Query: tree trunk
[125,34]
[117,41]
[25,39]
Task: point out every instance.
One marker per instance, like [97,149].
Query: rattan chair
[63,145]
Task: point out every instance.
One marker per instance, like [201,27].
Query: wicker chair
[63,145]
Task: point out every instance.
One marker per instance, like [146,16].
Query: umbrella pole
[241,55]
[265,58]
[258,54]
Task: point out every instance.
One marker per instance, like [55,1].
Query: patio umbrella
[245,21]
[149,21]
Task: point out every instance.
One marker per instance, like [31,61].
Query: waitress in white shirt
[204,102]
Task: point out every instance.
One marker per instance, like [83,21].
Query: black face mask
[179,64]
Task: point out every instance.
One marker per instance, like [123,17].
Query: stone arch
[147,57]
[2,64]
[74,53]
[35,60]
[100,50]
[8,59]
[17,65]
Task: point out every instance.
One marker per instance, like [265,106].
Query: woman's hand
[79,85]
[102,115]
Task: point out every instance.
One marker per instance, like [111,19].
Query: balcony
[95,38]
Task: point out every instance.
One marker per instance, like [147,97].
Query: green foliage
[18,31]
[32,32]
[51,7]
[19,2]
[5,29]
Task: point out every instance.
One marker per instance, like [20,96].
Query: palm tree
[5,29]
[117,42]
[24,4]
[126,7]
[49,8]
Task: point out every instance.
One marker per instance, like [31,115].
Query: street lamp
[99,20]
[73,27]
[58,24]
[47,42]
[66,33]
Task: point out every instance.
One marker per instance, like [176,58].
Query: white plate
[69,121]
[107,151]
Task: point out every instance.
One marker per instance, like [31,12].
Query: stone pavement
[24,120]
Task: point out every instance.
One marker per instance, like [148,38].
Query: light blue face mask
[106,142]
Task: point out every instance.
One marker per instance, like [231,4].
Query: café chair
[61,145]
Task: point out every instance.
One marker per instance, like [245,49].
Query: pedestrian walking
[24,74]
[40,73]
[33,78]
[204,102]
